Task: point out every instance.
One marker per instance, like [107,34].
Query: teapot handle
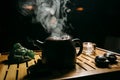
[38,44]
[78,42]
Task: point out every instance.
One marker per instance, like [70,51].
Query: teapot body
[60,54]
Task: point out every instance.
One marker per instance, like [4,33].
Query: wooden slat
[3,67]
[100,51]
[22,71]
[11,75]
[37,57]
[84,66]
[3,71]
[3,58]
[78,68]
[89,61]
[30,63]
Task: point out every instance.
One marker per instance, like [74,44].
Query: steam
[51,14]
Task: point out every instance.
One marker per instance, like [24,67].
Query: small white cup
[89,48]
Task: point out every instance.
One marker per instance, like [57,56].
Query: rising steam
[51,14]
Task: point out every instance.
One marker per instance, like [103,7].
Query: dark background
[98,21]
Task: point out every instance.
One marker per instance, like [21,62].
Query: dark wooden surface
[85,69]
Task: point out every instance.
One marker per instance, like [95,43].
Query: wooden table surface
[85,67]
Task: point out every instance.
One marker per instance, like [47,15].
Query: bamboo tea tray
[85,67]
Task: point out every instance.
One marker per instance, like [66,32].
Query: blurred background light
[80,9]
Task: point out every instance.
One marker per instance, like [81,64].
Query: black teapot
[60,52]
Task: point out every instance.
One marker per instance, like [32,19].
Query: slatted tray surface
[85,66]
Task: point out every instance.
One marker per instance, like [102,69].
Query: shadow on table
[42,72]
